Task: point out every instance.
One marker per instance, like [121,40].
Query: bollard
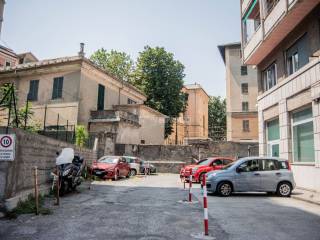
[184,183]
[205,206]
[58,187]
[36,190]
[190,188]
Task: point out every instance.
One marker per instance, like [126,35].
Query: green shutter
[100,104]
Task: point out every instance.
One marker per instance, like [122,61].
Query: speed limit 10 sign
[7,147]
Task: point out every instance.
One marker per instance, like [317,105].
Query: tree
[160,77]
[117,63]
[81,135]
[217,118]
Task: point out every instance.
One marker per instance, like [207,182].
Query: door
[270,175]
[122,167]
[100,103]
[248,178]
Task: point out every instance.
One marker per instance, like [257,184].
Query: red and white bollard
[190,188]
[205,206]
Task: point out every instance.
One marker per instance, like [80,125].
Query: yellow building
[193,123]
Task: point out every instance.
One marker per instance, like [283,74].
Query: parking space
[150,207]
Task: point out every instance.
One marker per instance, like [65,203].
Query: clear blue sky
[191,29]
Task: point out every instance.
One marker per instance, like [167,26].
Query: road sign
[7,147]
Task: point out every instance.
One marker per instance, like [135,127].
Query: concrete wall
[32,150]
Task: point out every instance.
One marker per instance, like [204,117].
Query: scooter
[70,168]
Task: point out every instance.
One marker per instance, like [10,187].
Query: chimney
[81,53]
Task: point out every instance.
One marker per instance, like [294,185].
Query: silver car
[253,174]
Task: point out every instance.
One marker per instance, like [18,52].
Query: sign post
[7,147]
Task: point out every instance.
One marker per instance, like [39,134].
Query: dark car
[111,167]
[148,167]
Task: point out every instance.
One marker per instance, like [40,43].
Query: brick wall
[32,150]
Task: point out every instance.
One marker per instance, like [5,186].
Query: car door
[270,175]
[248,177]
[122,166]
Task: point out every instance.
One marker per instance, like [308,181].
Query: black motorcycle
[70,168]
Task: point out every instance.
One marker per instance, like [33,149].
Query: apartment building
[193,123]
[72,90]
[241,95]
[282,38]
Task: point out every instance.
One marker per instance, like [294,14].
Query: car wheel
[224,189]
[133,172]
[284,189]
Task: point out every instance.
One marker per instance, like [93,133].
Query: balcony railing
[253,42]
[274,15]
[114,116]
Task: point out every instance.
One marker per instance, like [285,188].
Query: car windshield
[204,162]
[227,166]
[108,160]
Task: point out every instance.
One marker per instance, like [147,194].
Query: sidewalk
[305,195]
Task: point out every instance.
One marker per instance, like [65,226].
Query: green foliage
[117,63]
[217,117]
[25,113]
[81,135]
[28,207]
[160,76]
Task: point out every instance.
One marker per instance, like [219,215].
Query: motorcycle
[70,168]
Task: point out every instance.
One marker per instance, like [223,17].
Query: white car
[134,163]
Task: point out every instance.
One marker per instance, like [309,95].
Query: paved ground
[148,209]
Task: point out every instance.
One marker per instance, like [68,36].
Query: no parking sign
[7,146]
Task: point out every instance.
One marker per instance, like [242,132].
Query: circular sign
[6,141]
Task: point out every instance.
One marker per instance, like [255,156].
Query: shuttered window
[33,90]
[57,87]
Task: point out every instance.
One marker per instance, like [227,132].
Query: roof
[30,54]
[195,86]
[143,106]
[62,60]
[222,49]
[8,51]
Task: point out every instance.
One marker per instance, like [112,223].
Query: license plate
[98,173]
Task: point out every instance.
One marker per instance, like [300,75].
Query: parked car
[134,163]
[111,167]
[253,174]
[204,166]
[150,168]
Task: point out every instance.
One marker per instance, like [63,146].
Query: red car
[111,167]
[204,166]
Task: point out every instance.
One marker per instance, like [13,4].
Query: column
[262,134]
[315,92]
[285,132]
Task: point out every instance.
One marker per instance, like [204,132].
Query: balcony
[277,22]
[114,116]
[245,5]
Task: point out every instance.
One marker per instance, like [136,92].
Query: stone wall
[32,150]
[170,158]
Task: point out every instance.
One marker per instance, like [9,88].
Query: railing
[276,12]
[253,42]
[113,115]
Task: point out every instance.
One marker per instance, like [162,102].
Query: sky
[190,29]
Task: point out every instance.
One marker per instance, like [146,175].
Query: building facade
[241,96]
[282,38]
[73,91]
[193,123]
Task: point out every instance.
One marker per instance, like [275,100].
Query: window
[270,4]
[302,136]
[245,106]
[297,55]
[273,138]
[100,102]
[8,64]
[57,87]
[130,101]
[244,70]
[269,165]
[269,77]
[244,88]
[217,162]
[33,90]
[245,126]
[250,166]
[226,161]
